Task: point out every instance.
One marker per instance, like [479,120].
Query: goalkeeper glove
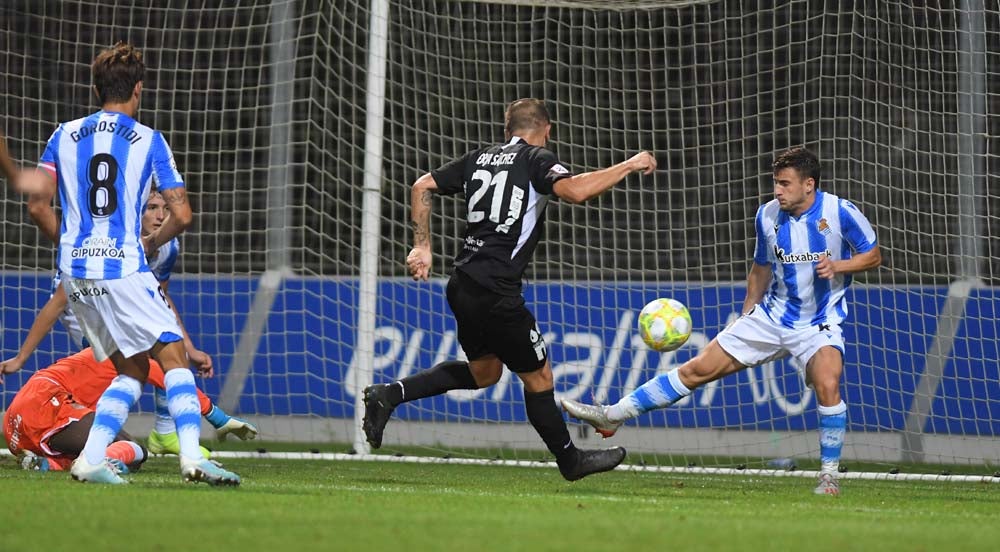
[225,424]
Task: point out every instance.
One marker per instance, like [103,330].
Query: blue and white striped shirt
[797,297]
[162,265]
[105,164]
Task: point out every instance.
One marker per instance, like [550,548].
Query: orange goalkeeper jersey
[86,379]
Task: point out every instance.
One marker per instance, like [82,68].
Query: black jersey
[506,189]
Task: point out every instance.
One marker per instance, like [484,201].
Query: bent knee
[486,372]
[539,380]
[827,391]
[491,378]
[709,365]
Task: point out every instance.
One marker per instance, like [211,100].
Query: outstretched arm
[420,257]
[42,325]
[40,210]
[39,185]
[581,187]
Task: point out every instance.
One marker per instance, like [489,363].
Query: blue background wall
[308,347]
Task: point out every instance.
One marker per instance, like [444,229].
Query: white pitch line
[344,457]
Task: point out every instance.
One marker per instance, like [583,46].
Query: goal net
[299,142]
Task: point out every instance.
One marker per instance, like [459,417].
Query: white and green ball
[664,324]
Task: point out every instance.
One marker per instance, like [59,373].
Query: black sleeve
[450,178]
[546,170]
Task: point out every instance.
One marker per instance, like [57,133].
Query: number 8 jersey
[506,190]
[105,165]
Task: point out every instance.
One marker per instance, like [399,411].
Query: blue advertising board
[306,359]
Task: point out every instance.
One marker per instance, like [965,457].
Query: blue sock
[110,415]
[164,423]
[217,417]
[182,400]
[832,427]
[661,391]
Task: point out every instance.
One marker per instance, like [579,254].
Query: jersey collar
[118,113]
[816,206]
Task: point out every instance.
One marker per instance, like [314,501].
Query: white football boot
[828,485]
[594,414]
[85,472]
[207,471]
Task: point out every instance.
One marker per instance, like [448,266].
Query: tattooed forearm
[180,217]
[175,196]
[421,220]
[421,233]
[420,210]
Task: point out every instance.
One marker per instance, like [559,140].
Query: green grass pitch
[287,505]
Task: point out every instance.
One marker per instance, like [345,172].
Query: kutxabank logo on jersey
[796,258]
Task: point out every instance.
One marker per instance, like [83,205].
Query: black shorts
[490,323]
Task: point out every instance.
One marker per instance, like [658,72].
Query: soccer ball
[664,324]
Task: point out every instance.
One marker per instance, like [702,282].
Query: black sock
[443,377]
[548,421]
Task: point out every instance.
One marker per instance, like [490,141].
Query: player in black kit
[506,189]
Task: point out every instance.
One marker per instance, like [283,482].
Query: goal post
[715,91]
[299,126]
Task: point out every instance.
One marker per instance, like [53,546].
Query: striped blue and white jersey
[161,265]
[105,164]
[797,297]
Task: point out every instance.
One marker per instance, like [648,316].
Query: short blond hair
[525,114]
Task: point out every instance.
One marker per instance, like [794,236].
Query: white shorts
[67,317]
[756,339]
[72,326]
[129,314]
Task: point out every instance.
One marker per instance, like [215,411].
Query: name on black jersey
[473,244]
[106,126]
[494,159]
